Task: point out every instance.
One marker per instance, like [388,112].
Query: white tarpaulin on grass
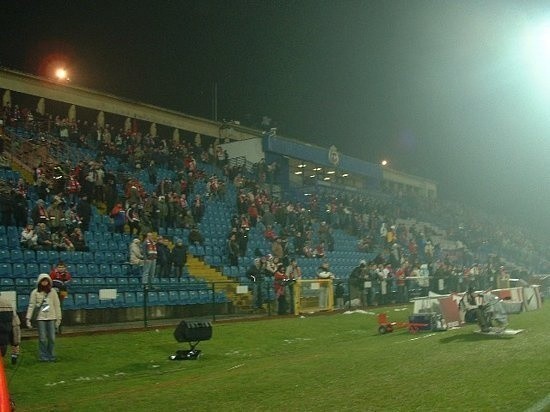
[514,300]
[446,305]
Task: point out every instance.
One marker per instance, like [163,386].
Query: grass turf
[315,363]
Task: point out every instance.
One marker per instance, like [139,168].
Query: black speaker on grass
[192,332]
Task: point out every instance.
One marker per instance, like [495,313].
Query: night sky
[455,91]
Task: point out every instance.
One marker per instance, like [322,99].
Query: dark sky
[448,90]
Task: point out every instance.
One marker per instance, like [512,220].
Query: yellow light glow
[61,74]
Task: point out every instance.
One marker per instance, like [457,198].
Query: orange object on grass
[5,404]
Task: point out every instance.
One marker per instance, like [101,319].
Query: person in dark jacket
[164,264]
[179,257]
[256,273]
[84,211]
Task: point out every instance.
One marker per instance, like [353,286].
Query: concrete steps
[198,268]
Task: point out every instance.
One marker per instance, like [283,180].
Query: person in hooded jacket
[136,257]
[48,316]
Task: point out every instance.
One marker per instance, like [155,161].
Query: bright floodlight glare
[61,74]
[537,49]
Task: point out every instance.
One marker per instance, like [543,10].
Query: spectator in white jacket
[136,256]
[44,308]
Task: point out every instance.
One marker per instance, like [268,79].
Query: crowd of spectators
[66,191]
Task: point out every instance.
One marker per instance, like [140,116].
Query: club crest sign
[333,155]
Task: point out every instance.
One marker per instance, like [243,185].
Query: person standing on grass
[294,273]
[325,275]
[48,316]
[10,331]
[280,280]
[256,273]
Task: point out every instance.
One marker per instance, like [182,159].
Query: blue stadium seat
[116,270]
[42,256]
[5,256]
[7,282]
[152,298]
[16,256]
[14,241]
[93,300]
[120,257]
[18,270]
[68,302]
[99,281]
[105,269]
[32,270]
[44,268]
[86,281]
[109,257]
[80,301]
[82,269]
[134,281]
[66,257]
[53,257]
[111,282]
[194,297]
[213,260]
[29,256]
[14,231]
[122,282]
[163,298]
[126,269]
[221,297]
[92,245]
[119,301]
[93,269]
[22,302]
[102,246]
[24,282]
[173,297]
[205,296]
[184,297]
[196,250]
[71,268]
[78,257]
[99,256]
[130,299]
[5,270]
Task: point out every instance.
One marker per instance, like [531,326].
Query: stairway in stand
[199,269]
